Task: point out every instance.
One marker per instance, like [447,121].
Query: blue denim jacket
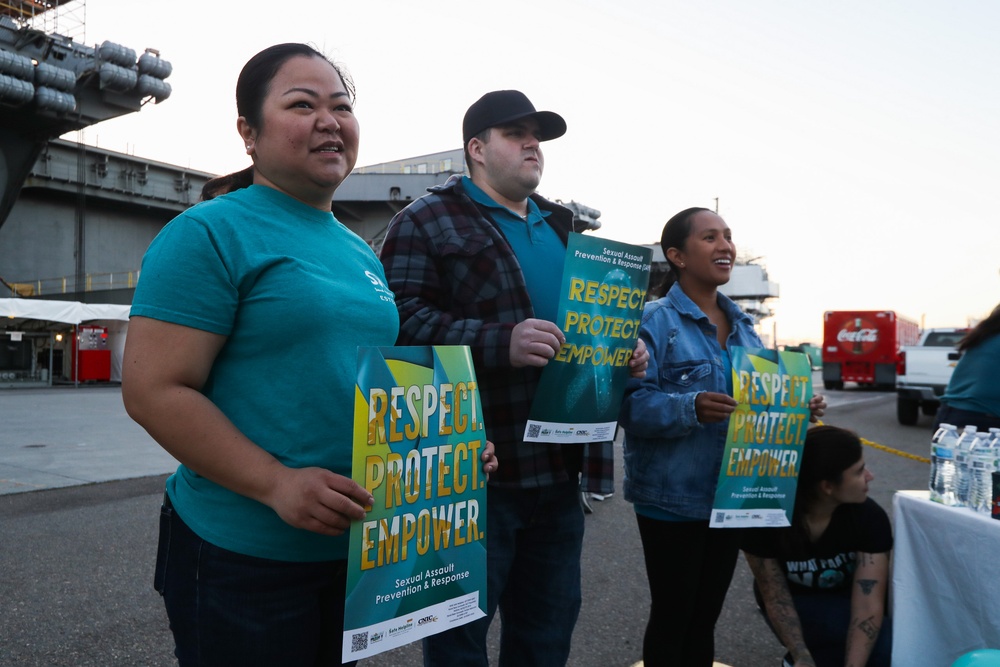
[671,460]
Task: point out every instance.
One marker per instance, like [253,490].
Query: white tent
[17,315]
[67,312]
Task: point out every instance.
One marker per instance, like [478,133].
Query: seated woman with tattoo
[823,581]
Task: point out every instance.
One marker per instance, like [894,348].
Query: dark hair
[252,88]
[827,453]
[484,137]
[221,185]
[675,235]
[986,329]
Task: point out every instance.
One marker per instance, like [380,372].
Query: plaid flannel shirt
[457,282]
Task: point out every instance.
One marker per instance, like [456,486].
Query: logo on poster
[405,627]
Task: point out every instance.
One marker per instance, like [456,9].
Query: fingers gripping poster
[600,308]
[417,562]
[760,464]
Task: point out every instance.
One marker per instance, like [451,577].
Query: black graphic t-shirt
[827,565]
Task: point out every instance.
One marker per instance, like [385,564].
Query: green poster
[600,308]
[760,465]
[417,562]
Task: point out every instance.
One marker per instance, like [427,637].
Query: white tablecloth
[946,582]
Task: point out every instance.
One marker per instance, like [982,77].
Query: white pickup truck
[923,371]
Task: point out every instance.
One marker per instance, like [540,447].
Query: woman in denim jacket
[675,422]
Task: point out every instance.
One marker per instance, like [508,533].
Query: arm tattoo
[780,606]
[869,627]
[867,585]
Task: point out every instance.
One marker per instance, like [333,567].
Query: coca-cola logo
[857,336]
[861,335]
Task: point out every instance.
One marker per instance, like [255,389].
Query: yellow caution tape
[890,450]
[905,455]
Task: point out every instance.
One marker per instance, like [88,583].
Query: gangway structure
[51,84]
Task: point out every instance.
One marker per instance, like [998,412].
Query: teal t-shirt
[537,246]
[973,385]
[296,293]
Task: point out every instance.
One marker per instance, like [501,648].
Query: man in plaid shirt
[478,262]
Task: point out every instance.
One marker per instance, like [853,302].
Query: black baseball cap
[502,107]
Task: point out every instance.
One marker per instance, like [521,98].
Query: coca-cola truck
[862,345]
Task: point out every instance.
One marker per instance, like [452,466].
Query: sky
[853,146]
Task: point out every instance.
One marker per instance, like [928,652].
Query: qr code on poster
[534,430]
[359,642]
[720,517]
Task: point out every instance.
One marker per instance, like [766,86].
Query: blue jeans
[228,609]
[533,576]
[825,620]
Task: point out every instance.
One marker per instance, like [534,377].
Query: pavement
[80,487]
[59,437]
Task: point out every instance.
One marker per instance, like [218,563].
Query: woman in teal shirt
[240,361]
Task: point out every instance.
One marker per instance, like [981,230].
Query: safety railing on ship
[92,282]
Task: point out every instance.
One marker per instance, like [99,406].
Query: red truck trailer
[862,345]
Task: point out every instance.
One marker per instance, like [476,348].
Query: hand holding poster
[417,563]
[764,444]
[600,307]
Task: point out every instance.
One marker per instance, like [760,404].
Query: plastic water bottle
[982,464]
[962,449]
[943,473]
[933,477]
